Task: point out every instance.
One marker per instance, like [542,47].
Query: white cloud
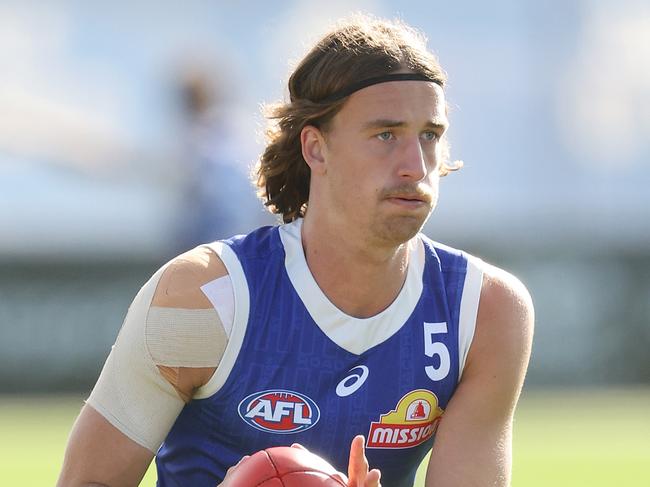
[53,108]
[604,99]
[301,26]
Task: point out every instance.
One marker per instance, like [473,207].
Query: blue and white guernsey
[299,370]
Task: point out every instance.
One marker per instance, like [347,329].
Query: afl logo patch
[279,411]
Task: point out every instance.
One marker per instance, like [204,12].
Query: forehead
[412,102]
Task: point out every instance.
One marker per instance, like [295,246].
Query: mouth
[409,200]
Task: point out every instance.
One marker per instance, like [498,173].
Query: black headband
[348,90]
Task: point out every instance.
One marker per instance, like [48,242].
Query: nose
[413,164]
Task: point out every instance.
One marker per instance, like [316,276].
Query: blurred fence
[59,319]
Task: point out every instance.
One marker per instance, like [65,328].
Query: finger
[358,464]
[341,476]
[299,446]
[241,460]
[237,464]
[373,478]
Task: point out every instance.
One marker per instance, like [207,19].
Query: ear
[313,148]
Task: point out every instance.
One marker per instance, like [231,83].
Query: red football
[283,466]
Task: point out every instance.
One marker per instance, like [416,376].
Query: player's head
[342,74]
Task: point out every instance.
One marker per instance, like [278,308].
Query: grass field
[562,438]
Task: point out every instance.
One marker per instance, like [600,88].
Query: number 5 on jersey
[433,347]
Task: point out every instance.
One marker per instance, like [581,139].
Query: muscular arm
[100,454]
[473,444]
[108,445]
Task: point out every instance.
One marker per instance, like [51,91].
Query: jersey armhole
[239,322]
[469,309]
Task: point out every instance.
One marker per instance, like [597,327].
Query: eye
[385,136]
[430,135]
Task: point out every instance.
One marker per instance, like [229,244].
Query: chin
[399,230]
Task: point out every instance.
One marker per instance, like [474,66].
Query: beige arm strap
[160,352]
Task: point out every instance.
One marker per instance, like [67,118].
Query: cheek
[434,184]
[356,187]
[343,182]
[354,191]
[353,172]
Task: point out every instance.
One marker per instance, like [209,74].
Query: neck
[359,278]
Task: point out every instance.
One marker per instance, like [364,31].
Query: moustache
[409,192]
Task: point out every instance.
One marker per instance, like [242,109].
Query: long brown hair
[358,48]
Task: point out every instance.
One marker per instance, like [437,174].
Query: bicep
[474,440]
[168,346]
[99,453]
[162,354]
[128,413]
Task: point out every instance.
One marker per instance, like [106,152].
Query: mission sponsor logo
[411,423]
[279,411]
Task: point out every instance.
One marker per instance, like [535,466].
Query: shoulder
[185,335]
[180,283]
[498,357]
[505,303]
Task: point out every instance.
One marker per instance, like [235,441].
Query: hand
[226,482]
[358,473]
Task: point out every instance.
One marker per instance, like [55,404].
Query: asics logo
[352,383]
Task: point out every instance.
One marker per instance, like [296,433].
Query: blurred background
[128,129]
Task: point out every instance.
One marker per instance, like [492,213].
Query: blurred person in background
[216,199]
[343,321]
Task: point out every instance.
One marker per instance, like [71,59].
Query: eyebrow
[435,124]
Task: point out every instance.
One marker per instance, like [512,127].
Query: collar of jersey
[356,335]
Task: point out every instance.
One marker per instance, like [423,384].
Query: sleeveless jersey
[298,370]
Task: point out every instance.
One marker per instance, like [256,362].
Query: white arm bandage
[131,392]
